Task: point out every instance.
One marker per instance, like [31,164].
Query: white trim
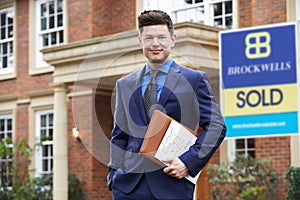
[7,117]
[10,71]
[297,8]
[38,152]
[231,150]
[40,65]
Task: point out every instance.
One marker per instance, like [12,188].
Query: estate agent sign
[259,92]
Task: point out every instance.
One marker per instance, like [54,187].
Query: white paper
[175,142]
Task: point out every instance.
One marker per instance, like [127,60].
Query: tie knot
[153,73]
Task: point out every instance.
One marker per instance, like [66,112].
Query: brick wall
[257,12]
[88,158]
[278,150]
[94,18]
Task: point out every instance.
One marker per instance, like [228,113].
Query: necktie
[150,96]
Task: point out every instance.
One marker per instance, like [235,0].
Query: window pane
[51,165]
[4,49]
[51,150]
[240,144]
[59,6]
[45,150]
[3,33]
[251,153]
[1,124]
[61,37]
[217,9]
[51,22]
[228,7]
[10,18]
[51,119]
[251,143]
[50,133]
[218,22]
[53,38]
[11,48]
[43,9]
[228,21]
[3,21]
[9,124]
[51,7]
[10,31]
[45,165]
[59,20]
[45,40]
[43,120]
[43,24]
[43,134]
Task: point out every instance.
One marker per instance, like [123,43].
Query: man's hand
[177,169]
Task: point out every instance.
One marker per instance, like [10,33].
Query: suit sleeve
[119,137]
[212,123]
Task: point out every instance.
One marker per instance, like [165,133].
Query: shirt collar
[164,68]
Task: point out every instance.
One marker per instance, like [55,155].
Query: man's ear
[173,38]
[140,41]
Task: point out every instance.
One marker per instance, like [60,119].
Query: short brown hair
[155,17]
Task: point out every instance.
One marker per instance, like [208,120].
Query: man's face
[156,42]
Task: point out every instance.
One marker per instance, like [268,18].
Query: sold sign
[258,70]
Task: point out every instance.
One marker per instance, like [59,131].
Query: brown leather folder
[156,130]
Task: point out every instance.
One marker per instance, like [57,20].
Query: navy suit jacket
[186,97]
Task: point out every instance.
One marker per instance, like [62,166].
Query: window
[6,159]
[210,12]
[240,146]
[245,146]
[50,31]
[44,134]
[6,40]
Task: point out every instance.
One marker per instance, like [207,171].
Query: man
[183,94]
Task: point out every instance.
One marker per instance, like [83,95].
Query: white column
[295,142]
[60,144]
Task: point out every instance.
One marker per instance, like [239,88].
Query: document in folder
[167,139]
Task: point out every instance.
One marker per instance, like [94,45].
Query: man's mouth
[155,51]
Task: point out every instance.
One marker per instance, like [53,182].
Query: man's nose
[155,41]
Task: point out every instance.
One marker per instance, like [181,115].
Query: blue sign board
[259,91]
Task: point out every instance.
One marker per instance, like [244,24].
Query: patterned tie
[150,96]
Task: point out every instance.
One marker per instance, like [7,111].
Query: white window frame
[6,117]
[39,151]
[40,63]
[207,17]
[231,146]
[10,43]
[297,10]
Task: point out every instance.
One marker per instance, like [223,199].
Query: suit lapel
[170,83]
[138,95]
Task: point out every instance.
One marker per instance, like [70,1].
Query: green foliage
[246,178]
[43,187]
[293,177]
[255,192]
[15,183]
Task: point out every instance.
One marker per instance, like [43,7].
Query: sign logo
[258,45]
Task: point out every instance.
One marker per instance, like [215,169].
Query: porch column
[60,144]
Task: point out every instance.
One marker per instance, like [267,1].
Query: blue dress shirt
[160,77]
